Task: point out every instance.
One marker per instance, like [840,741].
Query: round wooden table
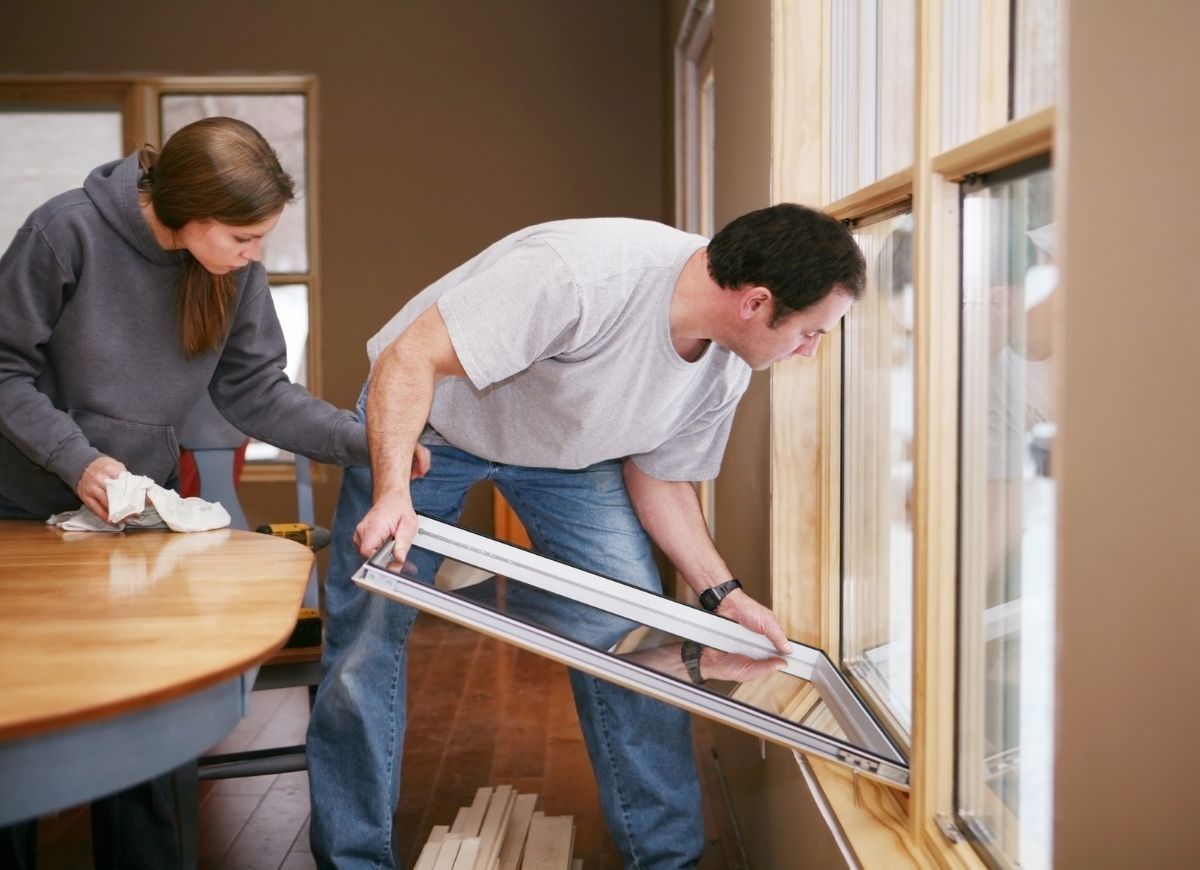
[122,656]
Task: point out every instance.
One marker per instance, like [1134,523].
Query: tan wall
[442,127]
[1128,716]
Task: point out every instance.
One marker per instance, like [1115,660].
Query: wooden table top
[93,625]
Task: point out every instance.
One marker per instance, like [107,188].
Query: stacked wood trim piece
[501,830]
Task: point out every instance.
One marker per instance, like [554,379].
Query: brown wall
[1128,695]
[442,126]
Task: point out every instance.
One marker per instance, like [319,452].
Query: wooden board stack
[501,830]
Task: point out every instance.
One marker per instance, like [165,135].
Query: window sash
[872,751]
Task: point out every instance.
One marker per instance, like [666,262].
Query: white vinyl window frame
[873,753]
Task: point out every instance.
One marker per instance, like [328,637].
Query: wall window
[877,464]
[46,150]
[1006,630]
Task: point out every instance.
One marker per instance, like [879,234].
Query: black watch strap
[690,651]
[710,599]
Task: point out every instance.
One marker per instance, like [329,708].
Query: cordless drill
[313,537]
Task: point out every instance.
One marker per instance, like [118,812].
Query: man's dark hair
[798,253]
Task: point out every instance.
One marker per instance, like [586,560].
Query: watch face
[710,599]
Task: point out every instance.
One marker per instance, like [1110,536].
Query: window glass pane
[877,430]
[872,91]
[1006,631]
[961,48]
[280,118]
[291,304]
[43,154]
[1035,55]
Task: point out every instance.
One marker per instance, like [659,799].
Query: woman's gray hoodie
[91,361]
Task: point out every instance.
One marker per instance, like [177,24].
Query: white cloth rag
[127,496]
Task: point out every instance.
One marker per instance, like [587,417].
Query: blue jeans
[641,749]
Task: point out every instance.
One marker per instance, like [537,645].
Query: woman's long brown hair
[218,169]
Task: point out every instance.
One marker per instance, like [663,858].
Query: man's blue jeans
[641,749]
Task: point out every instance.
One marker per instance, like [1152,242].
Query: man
[591,369]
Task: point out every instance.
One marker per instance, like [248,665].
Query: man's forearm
[398,403]
[670,513]
[400,396]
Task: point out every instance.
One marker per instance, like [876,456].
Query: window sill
[873,827]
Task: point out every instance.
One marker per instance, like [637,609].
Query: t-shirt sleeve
[695,453]
[524,308]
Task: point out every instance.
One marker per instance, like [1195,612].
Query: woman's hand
[91,490]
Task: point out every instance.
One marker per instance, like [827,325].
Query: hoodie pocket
[143,447]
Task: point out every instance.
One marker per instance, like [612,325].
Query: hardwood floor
[481,713]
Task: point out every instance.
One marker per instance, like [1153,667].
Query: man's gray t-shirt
[563,330]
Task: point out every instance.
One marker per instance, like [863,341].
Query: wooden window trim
[1011,143]
[875,197]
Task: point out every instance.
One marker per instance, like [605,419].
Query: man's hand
[390,517]
[91,490]
[748,613]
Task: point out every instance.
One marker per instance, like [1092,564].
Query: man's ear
[755,300]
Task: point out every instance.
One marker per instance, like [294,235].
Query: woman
[124,302]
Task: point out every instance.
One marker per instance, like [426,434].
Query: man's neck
[692,304]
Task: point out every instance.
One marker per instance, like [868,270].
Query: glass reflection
[801,690]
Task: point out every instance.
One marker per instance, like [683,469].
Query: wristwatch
[710,599]
[690,651]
